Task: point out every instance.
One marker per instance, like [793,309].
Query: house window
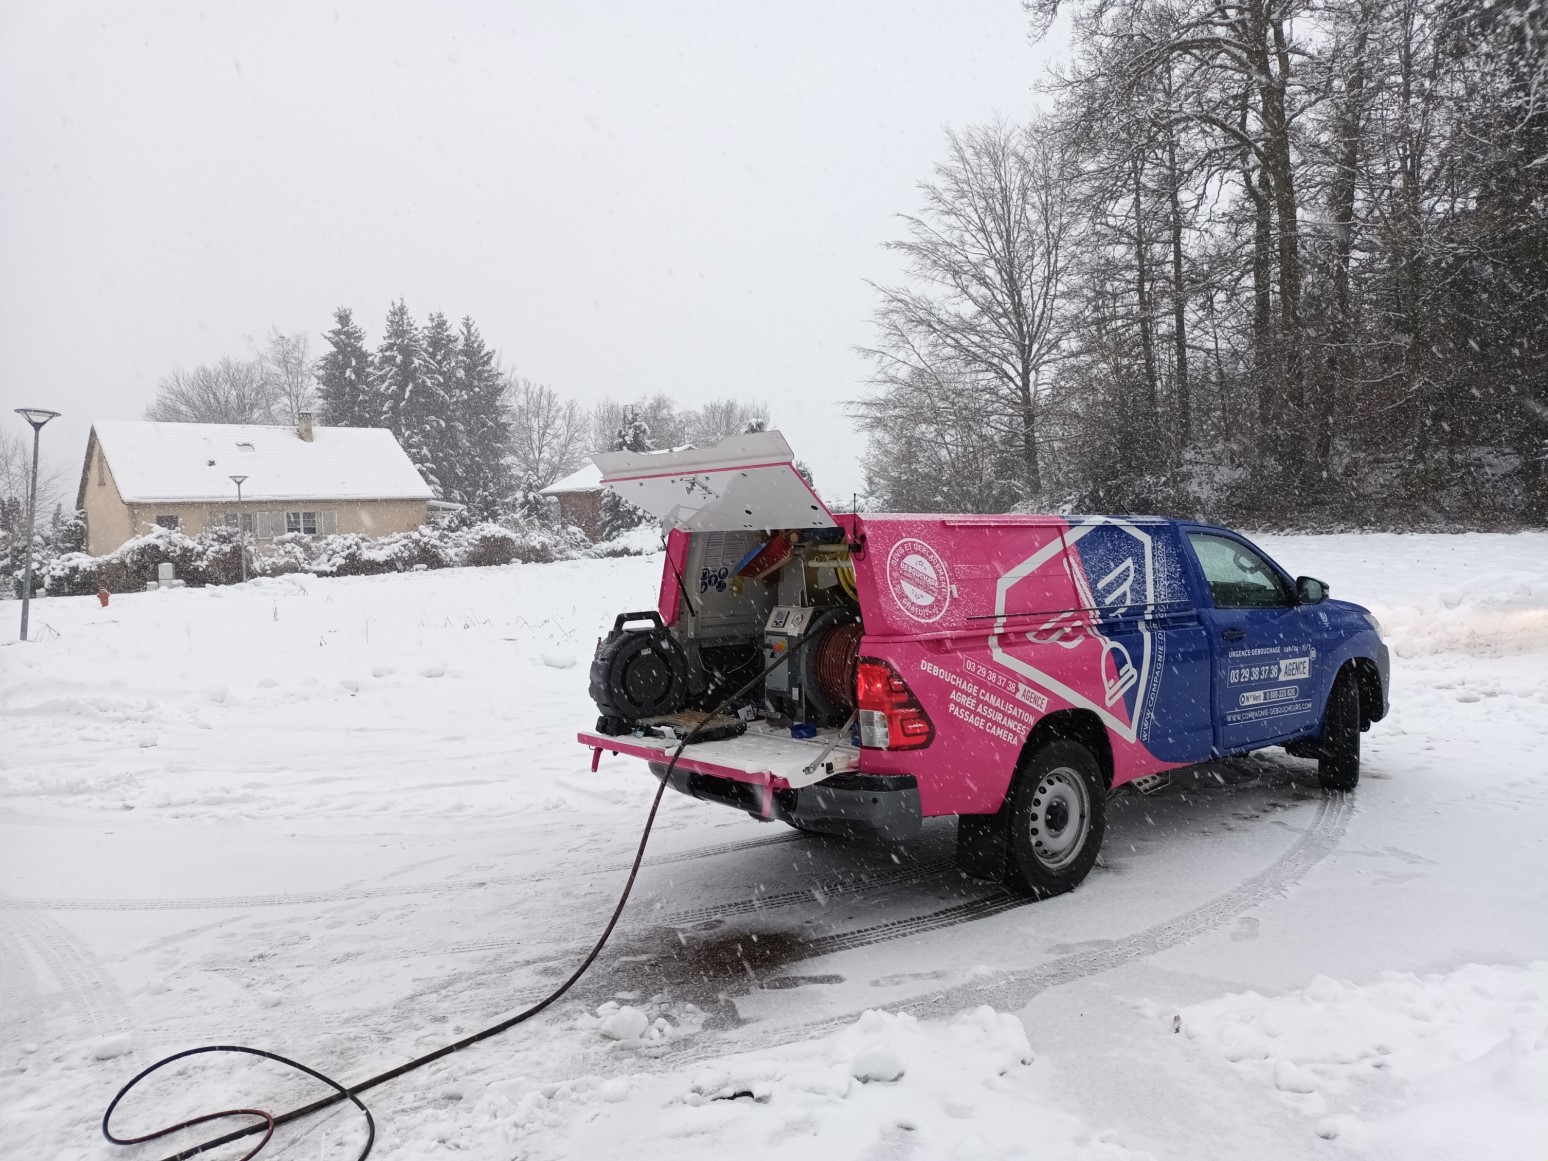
[168,522]
[305,522]
[101,466]
[230,520]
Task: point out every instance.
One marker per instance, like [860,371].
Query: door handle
[1233,634]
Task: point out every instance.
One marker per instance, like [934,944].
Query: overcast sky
[627,198]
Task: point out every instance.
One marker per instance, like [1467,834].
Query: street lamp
[241,527]
[36,416]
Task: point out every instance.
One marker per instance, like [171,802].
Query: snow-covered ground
[346,820]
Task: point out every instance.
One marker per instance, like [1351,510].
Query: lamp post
[241,526]
[36,416]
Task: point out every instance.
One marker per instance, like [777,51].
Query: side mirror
[1310,591]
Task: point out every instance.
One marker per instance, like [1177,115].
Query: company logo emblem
[917,577]
[1108,676]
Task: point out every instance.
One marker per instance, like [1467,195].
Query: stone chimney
[304,426]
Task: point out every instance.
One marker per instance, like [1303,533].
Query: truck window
[1238,577]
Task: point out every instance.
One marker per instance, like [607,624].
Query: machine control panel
[789,620]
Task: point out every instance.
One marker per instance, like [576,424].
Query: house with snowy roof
[314,480]
[578,499]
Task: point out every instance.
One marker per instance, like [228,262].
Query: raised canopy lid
[743,482]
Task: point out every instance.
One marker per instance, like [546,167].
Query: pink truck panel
[996,622]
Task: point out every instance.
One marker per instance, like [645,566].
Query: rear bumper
[754,773]
[876,806]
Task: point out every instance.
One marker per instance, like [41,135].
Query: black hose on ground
[268,1122]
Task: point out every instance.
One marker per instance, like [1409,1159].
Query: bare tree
[230,391]
[667,423]
[720,418]
[15,481]
[934,447]
[986,257]
[671,425]
[549,435]
[286,364]
[15,467]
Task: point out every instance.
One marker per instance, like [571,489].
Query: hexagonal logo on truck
[1056,613]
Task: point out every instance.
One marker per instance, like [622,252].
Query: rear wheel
[1338,763]
[1057,817]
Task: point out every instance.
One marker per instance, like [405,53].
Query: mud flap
[983,844]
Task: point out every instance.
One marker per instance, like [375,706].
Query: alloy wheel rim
[1061,818]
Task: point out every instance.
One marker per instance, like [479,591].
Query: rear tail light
[891,717]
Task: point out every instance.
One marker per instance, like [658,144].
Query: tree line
[479,435]
[57,529]
[1266,260]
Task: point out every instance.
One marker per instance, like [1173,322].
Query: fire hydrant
[102,596]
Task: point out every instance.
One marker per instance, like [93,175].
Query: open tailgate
[743,482]
[759,755]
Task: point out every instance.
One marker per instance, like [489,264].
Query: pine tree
[431,408]
[483,433]
[618,515]
[66,531]
[397,376]
[343,376]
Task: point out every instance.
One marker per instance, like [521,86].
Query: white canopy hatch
[743,482]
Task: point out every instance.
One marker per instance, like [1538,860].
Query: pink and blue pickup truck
[853,674]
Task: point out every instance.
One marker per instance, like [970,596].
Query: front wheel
[1058,814]
[1338,763]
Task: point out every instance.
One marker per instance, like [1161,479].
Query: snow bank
[885,1085]
[1477,593]
[1435,1066]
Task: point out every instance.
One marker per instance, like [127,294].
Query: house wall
[584,510]
[109,521]
[379,517]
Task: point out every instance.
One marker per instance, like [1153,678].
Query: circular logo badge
[917,576]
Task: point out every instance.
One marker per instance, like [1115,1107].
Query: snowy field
[346,820]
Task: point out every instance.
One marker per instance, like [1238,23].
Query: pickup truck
[856,673]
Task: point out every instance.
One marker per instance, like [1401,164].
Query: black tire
[1058,813]
[1338,764]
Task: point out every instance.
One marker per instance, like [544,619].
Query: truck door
[1156,657]
[1266,680]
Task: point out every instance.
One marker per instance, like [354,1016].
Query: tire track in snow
[87,988]
[854,884]
[351,893]
[19,986]
[1015,989]
[814,893]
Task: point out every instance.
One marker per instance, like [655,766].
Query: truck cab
[853,674]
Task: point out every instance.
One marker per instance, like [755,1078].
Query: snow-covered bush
[486,544]
[73,575]
[355,555]
[213,557]
[59,535]
[636,541]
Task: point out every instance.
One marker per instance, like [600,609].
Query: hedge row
[214,557]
